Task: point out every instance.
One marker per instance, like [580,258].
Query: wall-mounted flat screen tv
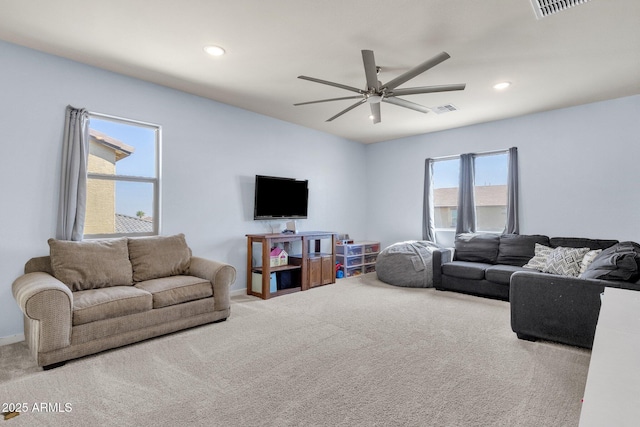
[277,197]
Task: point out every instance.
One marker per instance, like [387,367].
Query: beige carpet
[357,353]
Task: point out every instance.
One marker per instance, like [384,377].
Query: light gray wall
[577,166]
[578,172]
[211,153]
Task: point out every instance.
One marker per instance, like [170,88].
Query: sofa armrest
[48,303]
[439,257]
[557,308]
[221,276]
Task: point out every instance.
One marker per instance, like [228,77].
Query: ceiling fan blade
[370,70]
[328,100]
[406,104]
[375,112]
[346,110]
[430,63]
[427,89]
[325,82]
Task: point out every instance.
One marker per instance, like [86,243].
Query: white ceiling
[584,54]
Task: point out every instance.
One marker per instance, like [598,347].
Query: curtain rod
[482,153]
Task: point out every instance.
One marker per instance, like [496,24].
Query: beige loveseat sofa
[90,296]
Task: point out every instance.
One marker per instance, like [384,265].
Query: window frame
[492,153]
[457,156]
[445,159]
[154,181]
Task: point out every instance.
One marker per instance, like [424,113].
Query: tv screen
[277,197]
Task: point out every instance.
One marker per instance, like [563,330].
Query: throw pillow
[588,259]
[91,264]
[159,256]
[539,260]
[565,261]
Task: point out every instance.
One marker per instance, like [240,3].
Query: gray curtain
[428,228]
[466,196]
[73,185]
[512,226]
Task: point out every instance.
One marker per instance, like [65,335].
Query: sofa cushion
[565,261]
[539,260]
[465,269]
[174,290]
[106,303]
[619,262]
[159,256]
[91,264]
[477,247]
[501,273]
[516,249]
[577,242]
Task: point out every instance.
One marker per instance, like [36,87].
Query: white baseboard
[237,292]
[11,339]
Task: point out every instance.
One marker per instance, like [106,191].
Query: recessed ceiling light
[214,50]
[501,85]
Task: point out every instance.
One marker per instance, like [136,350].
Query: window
[123,178]
[490,191]
[445,192]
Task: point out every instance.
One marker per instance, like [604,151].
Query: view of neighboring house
[491,207]
[101,216]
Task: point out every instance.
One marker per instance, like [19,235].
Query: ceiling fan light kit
[376,92]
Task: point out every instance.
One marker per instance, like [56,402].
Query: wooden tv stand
[304,270]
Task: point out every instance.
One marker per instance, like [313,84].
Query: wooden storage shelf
[321,268]
[305,270]
[286,291]
[277,268]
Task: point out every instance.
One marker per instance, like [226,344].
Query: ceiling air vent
[544,8]
[444,109]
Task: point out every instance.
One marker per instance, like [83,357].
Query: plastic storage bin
[349,250]
[357,258]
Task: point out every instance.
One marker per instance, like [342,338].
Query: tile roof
[132,224]
[122,150]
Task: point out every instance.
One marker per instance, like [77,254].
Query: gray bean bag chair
[407,264]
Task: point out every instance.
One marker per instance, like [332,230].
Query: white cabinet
[357,258]
[613,383]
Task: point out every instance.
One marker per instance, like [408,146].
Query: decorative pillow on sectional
[91,264]
[588,259]
[619,262]
[517,249]
[477,247]
[159,256]
[565,261]
[539,260]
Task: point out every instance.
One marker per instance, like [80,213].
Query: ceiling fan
[377,92]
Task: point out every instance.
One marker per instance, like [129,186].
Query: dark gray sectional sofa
[545,306]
